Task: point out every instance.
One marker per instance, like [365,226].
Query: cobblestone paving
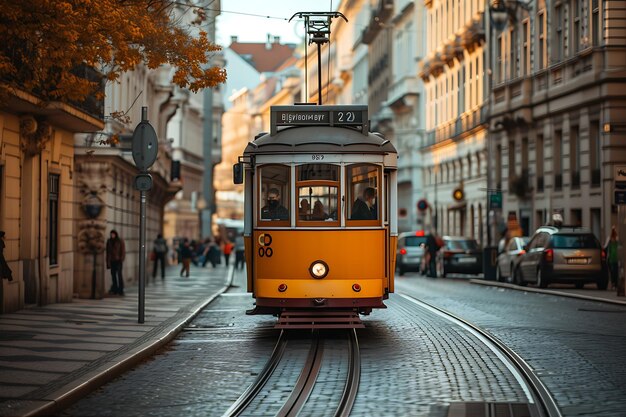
[575,346]
[414,363]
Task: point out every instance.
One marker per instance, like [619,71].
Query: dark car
[562,254]
[410,251]
[461,255]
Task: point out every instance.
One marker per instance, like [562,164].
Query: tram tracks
[302,398]
[538,394]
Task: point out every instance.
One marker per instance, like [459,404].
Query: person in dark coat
[159,247]
[115,255]
[273,210]
[362,208]
[432,247]
[5,271]
[186,253]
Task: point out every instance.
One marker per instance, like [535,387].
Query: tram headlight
[318,269]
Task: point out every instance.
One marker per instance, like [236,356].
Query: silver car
[410,251]
[509,256]
[565,254]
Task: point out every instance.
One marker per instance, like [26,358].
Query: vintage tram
[320,216]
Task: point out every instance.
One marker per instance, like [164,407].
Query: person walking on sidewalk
[159,248]
[186,253]
[239,252]
[115,254]
[611,247]
[5,271]
[228,249]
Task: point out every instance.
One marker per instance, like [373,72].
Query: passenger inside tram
[274,210]
[318,211]
[364,207]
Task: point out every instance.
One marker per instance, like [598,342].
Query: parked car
[509,256]
[410,251]
[459,254]
[562,254]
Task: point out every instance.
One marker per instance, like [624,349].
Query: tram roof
[320,139]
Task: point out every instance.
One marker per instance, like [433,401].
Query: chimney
[268,44]
[277,39]
[233,39]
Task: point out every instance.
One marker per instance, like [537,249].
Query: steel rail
[546,405]
[306,380]
[250,393]
[354,377]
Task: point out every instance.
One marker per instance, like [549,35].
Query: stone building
[559,101]
[455,153]
[38,203]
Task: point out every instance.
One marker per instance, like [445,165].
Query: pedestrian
[228,249]
[611,248]
[159,248]
[5,271]
[186,253]
[115,255]
[210,252]
[239,252]
[432,246]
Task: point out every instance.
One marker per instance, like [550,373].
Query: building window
[499,167]
[574,157]
[560,47]
[511,164]
[596,28]
[557,155]
[594,150]
[513,55]
[543,47]
[577,25]
[539,162]
[526,48]
[53,219]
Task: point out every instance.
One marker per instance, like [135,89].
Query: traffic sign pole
[145,147]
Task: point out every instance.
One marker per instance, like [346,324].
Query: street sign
[458,194]
[422,205]
[495,200]
[143,182]
[145,145]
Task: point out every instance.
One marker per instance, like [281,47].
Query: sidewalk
[53,355]
[589,292]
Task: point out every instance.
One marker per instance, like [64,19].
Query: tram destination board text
[325,118]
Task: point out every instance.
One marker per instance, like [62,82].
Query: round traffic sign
[422,205]
[458,194]
[145,145]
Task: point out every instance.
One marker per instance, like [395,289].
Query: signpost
[145,146]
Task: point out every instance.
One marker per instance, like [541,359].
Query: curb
[100,376]
[549,292]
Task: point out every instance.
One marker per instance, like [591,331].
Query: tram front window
[274,193]
[363,192]
[317,187]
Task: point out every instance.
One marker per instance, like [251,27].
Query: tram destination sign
[310,115]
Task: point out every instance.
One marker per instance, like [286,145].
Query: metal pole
[93,276]
[142,255]
[319,74]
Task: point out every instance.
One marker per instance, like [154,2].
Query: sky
[236,19]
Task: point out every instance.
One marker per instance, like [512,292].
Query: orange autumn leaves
[44,42]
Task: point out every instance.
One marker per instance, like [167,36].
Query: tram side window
[318,192]
[362,191]
[275,192]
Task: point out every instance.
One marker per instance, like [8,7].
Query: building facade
[559,101]
[455,153]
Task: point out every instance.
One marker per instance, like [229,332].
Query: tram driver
[273,210]
[364,207]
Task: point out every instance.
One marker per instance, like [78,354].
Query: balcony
[401,91]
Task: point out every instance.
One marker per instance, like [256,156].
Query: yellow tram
[320,222]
